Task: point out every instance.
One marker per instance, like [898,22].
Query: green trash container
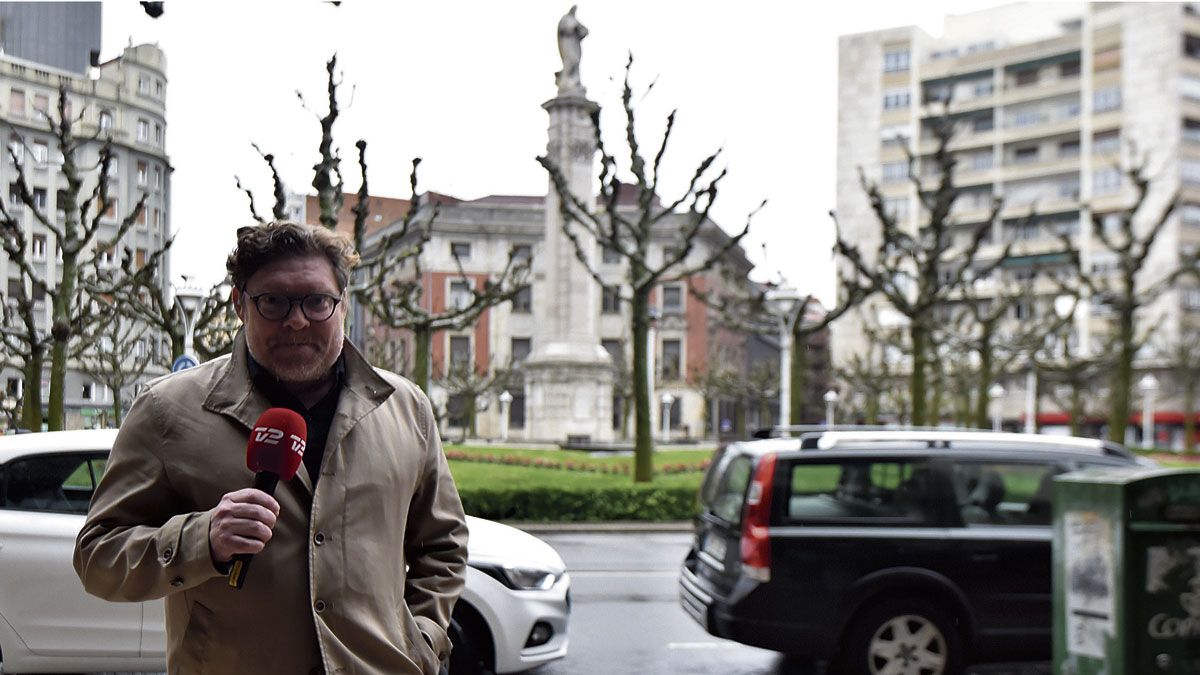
[1127,572]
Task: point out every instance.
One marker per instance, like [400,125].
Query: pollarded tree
[917,271]
[88,234]
[1126,287]
[656,241]
[118,355]
[385,283]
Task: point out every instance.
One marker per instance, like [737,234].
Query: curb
[612,527]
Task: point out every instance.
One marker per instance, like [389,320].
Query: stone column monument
[569,376]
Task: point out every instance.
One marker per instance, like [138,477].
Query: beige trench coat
[359,577]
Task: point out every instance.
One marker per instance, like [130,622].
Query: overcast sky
[461,84]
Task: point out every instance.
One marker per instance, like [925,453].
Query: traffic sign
[183,362]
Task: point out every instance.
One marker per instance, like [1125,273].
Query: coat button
[319,605]
[319,538]
[177,582]
[167,554]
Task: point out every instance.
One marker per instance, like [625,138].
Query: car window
[729,489]
[862,491]
[1005,493]
[52,483]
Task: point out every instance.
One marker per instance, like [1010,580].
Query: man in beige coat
[358,560]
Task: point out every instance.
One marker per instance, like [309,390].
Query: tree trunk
[872,411]
[31,398]
[983,399]
[1122,380]
[739,417]
[919,335]
[422,337]
[1076,419]
[643,435]
[56,418]
[116,407]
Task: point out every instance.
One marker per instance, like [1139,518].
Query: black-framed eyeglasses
[277,306]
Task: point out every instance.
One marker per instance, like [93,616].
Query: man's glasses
[277,306]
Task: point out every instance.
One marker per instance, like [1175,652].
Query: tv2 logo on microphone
[272,436]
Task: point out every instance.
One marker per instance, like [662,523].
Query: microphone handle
[265,481]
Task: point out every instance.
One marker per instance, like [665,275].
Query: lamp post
[1030,398]
[831,399]
[505,400]
[189,298]
[996,392]
[784,302]
[667,400]
[1149,386]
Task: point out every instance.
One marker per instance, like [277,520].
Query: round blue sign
[183,362]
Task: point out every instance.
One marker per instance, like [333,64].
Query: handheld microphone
[274,453]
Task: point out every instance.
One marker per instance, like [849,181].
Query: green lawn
[474,474]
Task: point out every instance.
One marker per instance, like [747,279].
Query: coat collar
[234,395]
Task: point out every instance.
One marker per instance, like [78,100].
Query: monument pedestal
[570,397]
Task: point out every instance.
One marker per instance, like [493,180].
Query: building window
[981,160]
[156,218]
[896,60]
[610,302]
[982,123]
[37,247]
[41,152]
[1022,309]
[460,352]
[1191,130]
[88,392]
[895,171]
[39,199]
[158,135]
[1067,149]
[1190,215]
[143,130]
[521,346]
[896,207]
[615,349]
[106,120]
[1027,118]
[672,299]
[41,105]
[1107,99]
[16,148]
[140,256]
[1190,299]
[1025,155]
[14,194]
[1105,142]
[672,359]
[982,88]
[895,99]
[158,88]
[158,177]
[522,302]
[1108,180]
[522,253]
[609,255]
[516,412]
[143,84]
[460,250]
[1024,78]
[1068,69]
[1190,171]
[12,387]
[896,134]
[143,172]
[460,294]
[105,257]
[16,102]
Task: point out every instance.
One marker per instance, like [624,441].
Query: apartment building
[481,234]
[1052,101]
[123,99]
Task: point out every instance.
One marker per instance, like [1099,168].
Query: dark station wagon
[884,551]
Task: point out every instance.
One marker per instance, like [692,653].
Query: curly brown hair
[258,245]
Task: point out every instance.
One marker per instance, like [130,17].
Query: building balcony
[1053,127]
[1049,88]
[1040,169]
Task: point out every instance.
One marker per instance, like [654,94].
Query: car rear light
[756,542]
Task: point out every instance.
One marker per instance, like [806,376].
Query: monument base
[569,399]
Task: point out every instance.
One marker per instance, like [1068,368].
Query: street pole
[831,399]
[667,400]
[1149,385]
[996,392]
[505,400]
[784,303]
[1030,400]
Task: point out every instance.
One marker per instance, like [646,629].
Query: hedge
[581,504]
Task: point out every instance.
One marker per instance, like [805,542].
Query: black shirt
[318,418]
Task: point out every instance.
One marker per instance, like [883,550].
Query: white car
[512,615]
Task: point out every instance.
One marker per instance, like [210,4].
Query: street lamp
[1030,397]
[1148,385]
[995,392]
[505,400]
[667,400]
[784,303]
[189,298]
[831,399]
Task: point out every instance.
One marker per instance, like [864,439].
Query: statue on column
[570,39]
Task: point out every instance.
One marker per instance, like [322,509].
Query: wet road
[626,617]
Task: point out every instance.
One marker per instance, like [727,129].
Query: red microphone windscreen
[277,443]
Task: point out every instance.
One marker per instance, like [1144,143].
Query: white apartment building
[123,99]
[1048,98]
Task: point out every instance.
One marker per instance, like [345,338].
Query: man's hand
[241,523]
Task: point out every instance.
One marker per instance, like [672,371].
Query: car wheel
[468,655]
[907,636]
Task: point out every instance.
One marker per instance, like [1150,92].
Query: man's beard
[309,370]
